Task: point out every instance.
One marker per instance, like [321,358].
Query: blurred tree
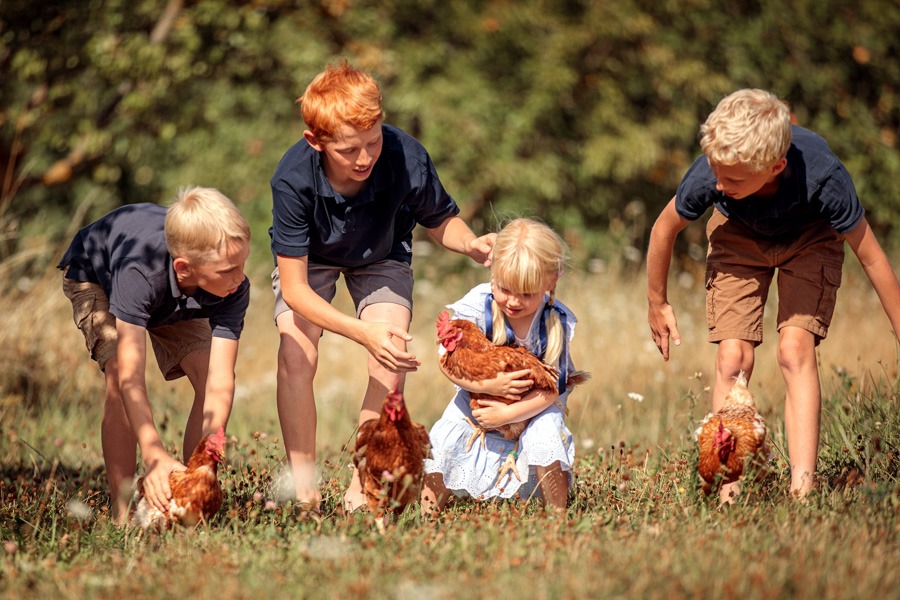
[582,113]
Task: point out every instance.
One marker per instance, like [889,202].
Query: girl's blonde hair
[341,95]
[201,223]
[528,256]
[749,127]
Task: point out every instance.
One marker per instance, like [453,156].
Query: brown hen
[196,491]
[469,355]
[731,438]
[389,457]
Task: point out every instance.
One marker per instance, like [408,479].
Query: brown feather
[471,356]
[745,430]
[196,491]
[389,457]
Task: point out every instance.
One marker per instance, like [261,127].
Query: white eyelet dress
[476,472]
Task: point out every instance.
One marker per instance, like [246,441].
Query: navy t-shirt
[814,186]
[310,219]
[125,253]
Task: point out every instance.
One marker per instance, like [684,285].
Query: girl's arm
[505,385]
[494,413]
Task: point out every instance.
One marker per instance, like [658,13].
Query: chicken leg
[477,432]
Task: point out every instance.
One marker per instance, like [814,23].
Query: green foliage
[569,111]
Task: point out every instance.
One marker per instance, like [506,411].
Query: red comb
[443,322]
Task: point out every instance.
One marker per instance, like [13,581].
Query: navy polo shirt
[125,253]
[814,186]
[310,219]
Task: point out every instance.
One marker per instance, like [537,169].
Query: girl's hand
[510,385]
[492,414]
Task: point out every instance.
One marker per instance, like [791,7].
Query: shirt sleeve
[471,306]
[290,221]
[432,205]
[228,322]
[132,295]
[840,204]
[695,192]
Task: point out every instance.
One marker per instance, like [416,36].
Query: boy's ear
[779,166]
[182,266]
[312,140]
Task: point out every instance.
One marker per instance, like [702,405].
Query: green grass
[636,526]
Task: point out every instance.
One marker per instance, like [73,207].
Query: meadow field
[636,526]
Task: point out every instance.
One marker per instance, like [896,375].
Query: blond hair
[341,95]
[749,127]
[528,256]
[201,223]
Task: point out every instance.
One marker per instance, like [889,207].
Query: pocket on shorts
[710,279]
[831,281]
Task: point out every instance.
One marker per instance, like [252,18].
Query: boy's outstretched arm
[661,315]
[877,267]
[453,234]
[132,359]
[219,396]
[377,338]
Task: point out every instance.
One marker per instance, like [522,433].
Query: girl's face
[520,306]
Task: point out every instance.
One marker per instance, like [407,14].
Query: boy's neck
[186,285]
[770,188]
[348,189]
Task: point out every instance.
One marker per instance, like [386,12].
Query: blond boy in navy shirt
[783,203]
[176,274]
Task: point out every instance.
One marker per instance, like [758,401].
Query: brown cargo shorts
[740,267]
[389,281]
[171,343]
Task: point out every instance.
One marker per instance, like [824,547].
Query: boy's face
[739,181]
[351,155]
[220,277]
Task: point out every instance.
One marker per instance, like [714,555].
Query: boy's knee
[796,349]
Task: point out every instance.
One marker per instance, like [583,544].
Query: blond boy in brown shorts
[176,274]
[782,203]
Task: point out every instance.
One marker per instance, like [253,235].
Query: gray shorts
[171,343]
[388,281]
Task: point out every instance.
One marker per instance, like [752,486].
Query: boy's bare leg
[196,366]
[119,446]
[380,382]
[434,495]
[554,484]
[732,357]
[802,407]
[297,362]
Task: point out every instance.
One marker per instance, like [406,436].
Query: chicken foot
[508,468]
[477,432]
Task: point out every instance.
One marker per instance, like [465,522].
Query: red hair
[341,95]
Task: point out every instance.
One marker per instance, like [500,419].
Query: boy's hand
[156,481]
[492,414]
[662,325]
[479,249]
[378,340]
[508,385]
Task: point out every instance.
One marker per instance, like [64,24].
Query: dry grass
[635,526]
